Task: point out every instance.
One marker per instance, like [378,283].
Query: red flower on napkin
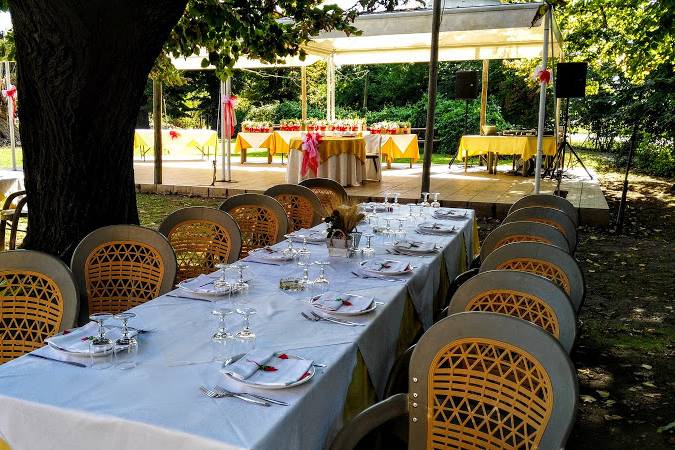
[345,302]
[282,356]
[264,367]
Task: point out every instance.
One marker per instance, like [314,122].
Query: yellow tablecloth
[182,140]
[524,146]
[400,146]
[282,141]
[332,146]
[254,140]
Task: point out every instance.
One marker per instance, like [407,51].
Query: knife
[72,363]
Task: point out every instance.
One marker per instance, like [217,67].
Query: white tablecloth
[344,168]
[47,405]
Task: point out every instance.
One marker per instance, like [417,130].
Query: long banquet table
[49,405]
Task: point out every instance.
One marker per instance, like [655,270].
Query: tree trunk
[82,67]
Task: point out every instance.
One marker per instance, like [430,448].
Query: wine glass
[126,347]
[99,318]
[221,285]
[400,231]
[368,250]
[305,282]
[244,309]
[322,282]
[100,347]
[388,231]
[304,253]
[435,204]
[425,200]
[289,251]
[396,196]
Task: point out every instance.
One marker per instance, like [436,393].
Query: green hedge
[449,117]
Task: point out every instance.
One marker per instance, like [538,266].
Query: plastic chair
[118,267]
[545,260]
[330,192]
[480,380]
[13,209]
[201,237]
[303,207]
[523,295]
[525,231]
[548,200]
[38,298]
[261,219]
[549,216]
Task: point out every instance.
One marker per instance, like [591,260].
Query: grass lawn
[6,157]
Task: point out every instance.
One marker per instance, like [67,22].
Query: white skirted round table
[340,158]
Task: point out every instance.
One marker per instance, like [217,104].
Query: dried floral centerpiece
[343,238]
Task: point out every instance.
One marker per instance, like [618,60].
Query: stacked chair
[494,371]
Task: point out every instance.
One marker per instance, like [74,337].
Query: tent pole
[157,128]
[483,94]
[10,116]
[431,108]
[542,104]
[303,92]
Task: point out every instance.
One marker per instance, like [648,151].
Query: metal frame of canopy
[504,31]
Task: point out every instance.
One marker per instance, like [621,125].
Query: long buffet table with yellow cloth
[247,140]
[340,158]
[176,141]
[524,147]
[394,146]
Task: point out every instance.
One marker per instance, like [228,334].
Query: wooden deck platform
[489,195]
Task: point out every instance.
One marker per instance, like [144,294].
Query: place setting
[270,255]
[435,228]
[449,213]
[383,269]
[230,279]
[408,247]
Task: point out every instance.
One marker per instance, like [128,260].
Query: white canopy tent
[483,30]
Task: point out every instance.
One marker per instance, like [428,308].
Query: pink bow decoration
[174,134]
[229,117]
[542,75]
[10,93]
[310,154]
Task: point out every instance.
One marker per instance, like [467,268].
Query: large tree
[82,69]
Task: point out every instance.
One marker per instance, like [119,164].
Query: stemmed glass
[411,214]
[388,231]
[245,310]
[304,253]
[396,195]
[221,337]
[385,203]
[289,252]
[425,201]
[400,231]
[322,282]
[126,347]
[435,204]
[368,250]
[305,282]
[100,347]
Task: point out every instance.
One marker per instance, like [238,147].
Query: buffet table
[341,159]
[176,140]
[524,147]
[47,405]
[246,140]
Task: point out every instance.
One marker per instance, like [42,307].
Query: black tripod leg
[579,160]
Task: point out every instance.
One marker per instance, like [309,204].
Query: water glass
[101,354]
[126,347]
[223,349]
[368,250]
[321,282]
[425,200]
[436,204]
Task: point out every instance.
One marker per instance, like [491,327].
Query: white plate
[386,272]
[338,312]
[312,371]
[204,293]
[276,255]
[86,353]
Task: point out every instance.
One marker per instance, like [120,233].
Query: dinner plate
[407,270]
[274,255]
[338,312]
[312,371]
[213,293]
[312,236]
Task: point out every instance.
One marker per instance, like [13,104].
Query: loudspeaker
[570,80]
[466,84]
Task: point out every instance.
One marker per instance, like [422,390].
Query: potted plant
[342,236]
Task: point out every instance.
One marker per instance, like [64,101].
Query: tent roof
[466,33]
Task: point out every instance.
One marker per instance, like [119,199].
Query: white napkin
[251,367]
[268,254]
[201,284]
[384,266]
[334,301]
[414,247]
[435,228]
[314,236]
[448,213]
[76,340]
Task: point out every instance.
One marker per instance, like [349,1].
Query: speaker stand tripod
[564,146]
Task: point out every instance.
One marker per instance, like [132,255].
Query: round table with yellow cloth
[340,158]
[524,147]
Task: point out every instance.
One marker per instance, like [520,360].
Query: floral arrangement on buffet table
[341,125]
[290,125]
[390,128]
[252,126]
[343,238]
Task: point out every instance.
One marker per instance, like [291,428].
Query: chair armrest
[369,419]
[10,199]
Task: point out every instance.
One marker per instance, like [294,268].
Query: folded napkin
[434,228]
[377,207]
[77,340]
[448,213]
[384,266]
[345,303]
[201,284]
[269,368]
[268,254]
[311,235]
[414,247]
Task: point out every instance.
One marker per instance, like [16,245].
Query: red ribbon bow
[10,93]
[310,154]
[229,117]
[174,134]
[542,75]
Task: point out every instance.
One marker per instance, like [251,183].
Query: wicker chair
[121,266]
[548,200]
[13,209]
[38,298]
[544,260]
[201,237]
[303,207]
[330,192]
[480,380]
[261,219]
[525,231]
[523,295]
[549,216]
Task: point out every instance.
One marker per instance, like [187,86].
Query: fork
[213,394]
[222,390]
[334,320]
[318,318]
[365,277]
